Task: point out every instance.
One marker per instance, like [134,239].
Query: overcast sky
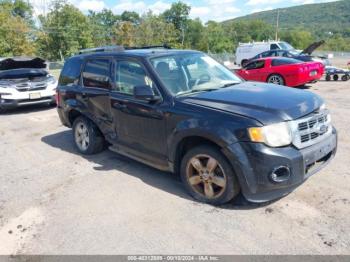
[217,10]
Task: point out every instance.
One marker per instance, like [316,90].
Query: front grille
[31,86]
[312,129]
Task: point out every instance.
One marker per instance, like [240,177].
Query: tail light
[58,97]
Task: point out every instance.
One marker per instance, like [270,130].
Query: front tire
[275,79]
[88,139]
[207,176]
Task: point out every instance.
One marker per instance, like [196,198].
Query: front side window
[97,73]
[266,54]
[255,65]
[192,72]
[130,74]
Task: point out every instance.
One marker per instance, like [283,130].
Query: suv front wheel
[88,139]
[208,176]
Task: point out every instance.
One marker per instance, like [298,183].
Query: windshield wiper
[195,90]
[230,84]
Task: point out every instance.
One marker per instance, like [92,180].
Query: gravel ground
[55,201]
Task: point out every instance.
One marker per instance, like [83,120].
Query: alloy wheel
[275,79]
[82,136]
[206,176]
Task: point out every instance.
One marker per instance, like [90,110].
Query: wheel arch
[189,142]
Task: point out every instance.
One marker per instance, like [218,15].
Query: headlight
[275,135]
[51,79]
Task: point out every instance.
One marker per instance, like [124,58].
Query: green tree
[15,29]
[103,27]
[154,30]
[178,15]
[195,35]
[217,39]
[298,38]
[130,16]
[125,33]
[64,31]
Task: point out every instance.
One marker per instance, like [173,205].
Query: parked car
[290,52]
[335,72]
[282,71]
[246,51]
[183,112]
[25,81]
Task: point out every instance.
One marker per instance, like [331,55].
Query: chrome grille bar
[312,129]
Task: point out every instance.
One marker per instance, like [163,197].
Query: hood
[27,73]
[21,62]
[266,103]
[312,47]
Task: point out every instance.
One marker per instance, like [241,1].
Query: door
[140,124]
[97,83]
[254,71]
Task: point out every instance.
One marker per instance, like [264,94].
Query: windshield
[189,73]
[285,46]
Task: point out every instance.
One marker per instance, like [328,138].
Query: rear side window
[71,72]
[255,65]
[97,73]
[267,54]
[284,61]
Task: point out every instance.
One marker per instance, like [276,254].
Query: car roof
[138,52]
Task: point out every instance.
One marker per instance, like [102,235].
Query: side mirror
[145,92]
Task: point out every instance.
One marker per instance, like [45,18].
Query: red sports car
[282,71]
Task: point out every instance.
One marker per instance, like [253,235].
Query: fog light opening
[280,174]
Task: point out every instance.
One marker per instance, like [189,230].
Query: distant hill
[317,18]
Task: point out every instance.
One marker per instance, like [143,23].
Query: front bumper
[14,103]
[254,163]
[12,98]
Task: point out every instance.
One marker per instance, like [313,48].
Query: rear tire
[345,78]
[207,176]
[335,77]
[87,137]
[275,79]
[328,78]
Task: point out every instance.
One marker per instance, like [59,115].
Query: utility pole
[277,24]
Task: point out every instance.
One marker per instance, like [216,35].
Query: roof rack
[165,46]
[119,48]
[102,49]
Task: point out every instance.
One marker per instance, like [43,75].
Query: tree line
[64,29]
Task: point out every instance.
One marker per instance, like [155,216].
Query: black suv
[183,112]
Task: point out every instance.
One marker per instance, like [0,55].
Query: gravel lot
[55,201]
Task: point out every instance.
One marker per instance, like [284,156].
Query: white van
[246,51]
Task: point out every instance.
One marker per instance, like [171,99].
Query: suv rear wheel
[88,139]
[208,176]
